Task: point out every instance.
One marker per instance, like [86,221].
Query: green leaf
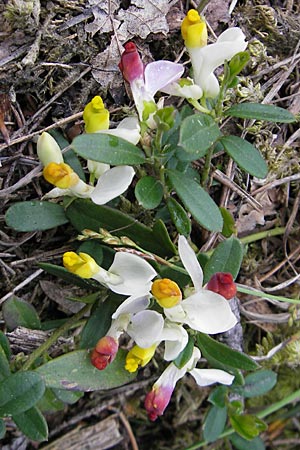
[196,200]
[245,155]
[161,235]
[218,396]
[258,383]
[214,423]
[4,365]
[99,321]
[33,424]
[260,112]
[107,149]
[227,257]
[2,429]
[179,217]
[85,214]
[214,350]
[68,397]
[149,192]
[49,402]
[237,63]
[243,444]
[35,216]
[229,227]
[247,425]
[19,392]
[185,355]
[18,313]
[71,278]
[4,343]
[74,371]
[198,133]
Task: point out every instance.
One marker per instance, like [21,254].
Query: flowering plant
[149,285]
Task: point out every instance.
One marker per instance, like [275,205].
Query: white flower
[204,310]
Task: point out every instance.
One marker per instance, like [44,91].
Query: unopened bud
[222,283]
[95,116]
[131,64]
[82,265]
[48,149]
[104,352]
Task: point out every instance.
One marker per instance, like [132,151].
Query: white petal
[132,305]
[187,91]
[57,192]
[170,376]
[208,312]
[206,377]
[190,262]
[145,328]
[176,338]
[175,314]
[112,184]
[136,274]
[97,168]
[160,73]
[128,129]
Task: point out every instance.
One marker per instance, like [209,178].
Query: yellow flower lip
[194,30]
[193,16]
[166,292]
[96,116]
[139,357]
[82,265]
[60,175]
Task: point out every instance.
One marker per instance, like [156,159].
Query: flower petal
[132,305]
[160,73]
[190,262]
[206,377]
[111,184]
[136,274]
[128,129]
[145,328]
[176,338]
[186,91]
[208,312]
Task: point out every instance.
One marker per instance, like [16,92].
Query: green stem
[264,413]
[202,5]
[54,336]
[257,293]
[206,168]
[262,235]
[198,106]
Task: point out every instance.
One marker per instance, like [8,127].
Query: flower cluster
[201,310]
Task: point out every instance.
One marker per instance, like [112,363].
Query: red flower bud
[157,400]
[104,352]
[131,65]
[222,283]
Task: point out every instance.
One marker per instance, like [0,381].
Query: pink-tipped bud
[104,353]
[157,400]
[131,65]
[222,283]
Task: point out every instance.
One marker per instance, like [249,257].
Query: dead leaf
[59,295]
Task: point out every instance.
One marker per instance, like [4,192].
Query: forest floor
[54,57]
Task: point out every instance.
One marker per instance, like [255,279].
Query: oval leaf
[244,444]
[261,112]
[247,425]
[107,149]
[226,356]
[71,278]
[4,365]
[35,216]
[74,371]
[20,392]
[227,257]
[185,355]
[245,155]
[258,383]
[197,134]
[214,423]
[197,201]
[33,424]
[149,192]
[18,313]
[179,217]
[2,429]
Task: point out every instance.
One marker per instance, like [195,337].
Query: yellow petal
[194,30]
[166,292]
[82,265]
[60,175]
[139,357]
[96,116]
